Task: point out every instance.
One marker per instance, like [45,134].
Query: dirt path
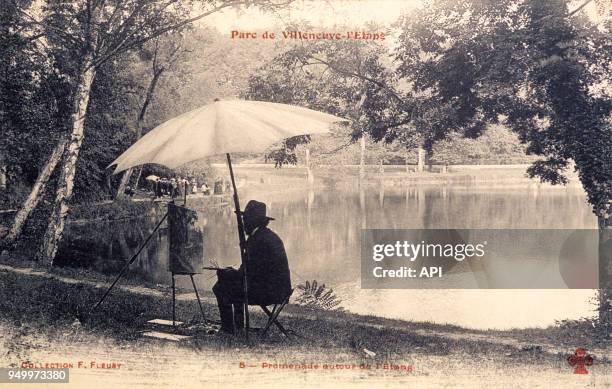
[169,365]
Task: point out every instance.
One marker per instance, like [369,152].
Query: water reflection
[322,231]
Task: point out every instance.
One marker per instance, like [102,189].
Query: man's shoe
[225,330]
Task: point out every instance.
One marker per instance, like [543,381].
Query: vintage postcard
[305,193]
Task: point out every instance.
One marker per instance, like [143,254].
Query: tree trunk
[605,269]
[125,179]
[381,192]
[310,177]
[421,159]
[356,115]
[123,183]
[138,178]
[35,195]
[65,184]
[605,250]
[362,158]
[2,176]
[406,162]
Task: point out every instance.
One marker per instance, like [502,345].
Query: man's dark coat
[268,276]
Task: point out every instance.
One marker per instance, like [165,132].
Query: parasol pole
[244,255]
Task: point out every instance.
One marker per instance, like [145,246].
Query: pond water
[321,231]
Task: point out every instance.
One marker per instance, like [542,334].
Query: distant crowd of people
[176,187]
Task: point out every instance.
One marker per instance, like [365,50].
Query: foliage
[200,171]
[36,81]
[346,78]
[603,301]
[285,152]
[109,124]
[116,210]
[79,39]
[31,100]
[355,80]
[496,144]
[596,329]
[515,63]
[317,296]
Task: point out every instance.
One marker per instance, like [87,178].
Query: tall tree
[352,79]
[32,110]
[85,34]
[163,54]
[525,64]
[536,67]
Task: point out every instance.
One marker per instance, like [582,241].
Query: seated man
[268,277]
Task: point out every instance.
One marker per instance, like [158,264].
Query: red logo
[580,360]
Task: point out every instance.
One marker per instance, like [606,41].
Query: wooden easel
[185,274]
[174,296]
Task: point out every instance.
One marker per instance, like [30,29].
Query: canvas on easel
[186,249]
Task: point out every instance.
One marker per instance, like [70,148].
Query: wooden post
[310,177]
[356,116]
[173,302]
[362,158]
[244,255]
[421,159]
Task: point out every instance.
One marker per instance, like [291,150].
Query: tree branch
[59,31]
[127,44]
[361,76]
[579,8]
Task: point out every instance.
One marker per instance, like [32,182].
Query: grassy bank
[46,320]
[256,176]
[50,306]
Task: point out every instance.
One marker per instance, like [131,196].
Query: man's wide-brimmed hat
[255,210]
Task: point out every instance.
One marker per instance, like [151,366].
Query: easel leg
[198,297]
[173,302]
[127,265]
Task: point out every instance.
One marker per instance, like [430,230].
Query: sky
[320,13]
[327,13]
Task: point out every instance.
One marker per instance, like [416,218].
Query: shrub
[318,297]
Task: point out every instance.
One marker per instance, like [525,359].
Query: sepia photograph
[305,193]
